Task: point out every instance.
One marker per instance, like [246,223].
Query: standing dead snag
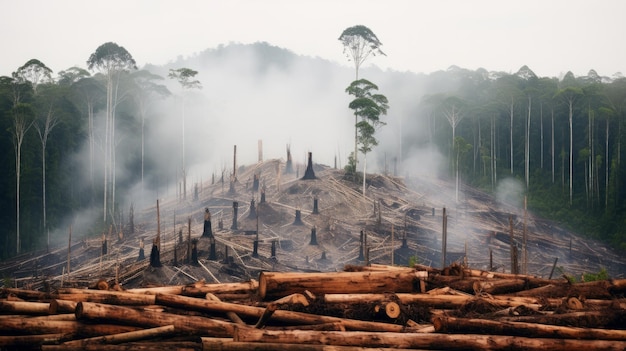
[208,231]
[235,210]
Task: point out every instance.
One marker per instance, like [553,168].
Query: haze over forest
[253,92]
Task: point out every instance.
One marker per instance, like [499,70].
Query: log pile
[363,307]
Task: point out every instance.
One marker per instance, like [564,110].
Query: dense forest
[74,143]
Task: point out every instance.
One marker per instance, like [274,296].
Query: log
[231,315]
[607,318]
[124,337]
[390,309]
[591,290]
[248,287]
[105,296]
[24,307]
[28,341]
[173,289]
[217,344]
[499,286]
[533,330]
[35,326]
[124,315]
[423,340]
[441,301]
[25,294]
[62,306]
[279,284]
[191,303]
[131,346]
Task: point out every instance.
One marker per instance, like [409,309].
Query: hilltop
[321,224]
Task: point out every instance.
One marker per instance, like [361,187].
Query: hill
[320,224]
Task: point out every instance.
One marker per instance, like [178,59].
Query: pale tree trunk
[552,145]
[541,131]
[364,169]
[571,149]
[606,166]
[20,127]
[527,146]
[92,147]
[44,131]
[511,131]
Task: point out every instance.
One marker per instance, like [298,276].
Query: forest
[75,142]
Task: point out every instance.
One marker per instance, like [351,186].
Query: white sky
[550,36]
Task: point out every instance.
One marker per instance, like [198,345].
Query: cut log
[129,316]
[279,284]
[62,306]
[590,290]
[231,315]
[279,315]
[217,344]
[499,286]
[607,318]
[533,330]
[124,337]
[248,287]
[35,326]
[174,289]
[25,294]
[441,301]
[105,296]
[424,340]
[28,341]
[390,310]
[131,346]
[24,307]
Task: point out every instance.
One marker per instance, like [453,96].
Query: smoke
[510,191]
[255,94]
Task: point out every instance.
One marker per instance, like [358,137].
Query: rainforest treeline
[560,137]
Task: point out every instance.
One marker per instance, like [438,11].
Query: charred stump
[142,255]
[255,248]
[207,231]
[155,256]
[315,208]
[273,250]
[255,183]
[289,163]
[298,219]
[194,252]
[252,212]
[235,210]
[309,173]
[313,236]
[262,195]
[212,250]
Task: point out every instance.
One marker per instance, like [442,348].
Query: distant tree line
[561,138]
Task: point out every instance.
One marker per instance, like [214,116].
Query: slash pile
[360,308]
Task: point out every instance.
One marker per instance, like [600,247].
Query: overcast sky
[551,37]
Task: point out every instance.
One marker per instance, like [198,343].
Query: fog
[253,93]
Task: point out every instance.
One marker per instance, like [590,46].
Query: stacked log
[362,308]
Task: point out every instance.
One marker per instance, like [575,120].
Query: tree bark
[423,340]
[279,315]
[128,316]
[217,344]
[533,330]
[124,337]
[278,284]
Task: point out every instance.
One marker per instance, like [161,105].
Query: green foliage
[592,277]
[413,260]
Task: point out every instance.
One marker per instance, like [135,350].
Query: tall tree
[569,95]
[46,119]
[35,72]
[88,91]
[147,88]
[359,43]
[368,106]
[112,61]
[22,115]
[187,81]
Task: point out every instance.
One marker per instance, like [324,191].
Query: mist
[261,93]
